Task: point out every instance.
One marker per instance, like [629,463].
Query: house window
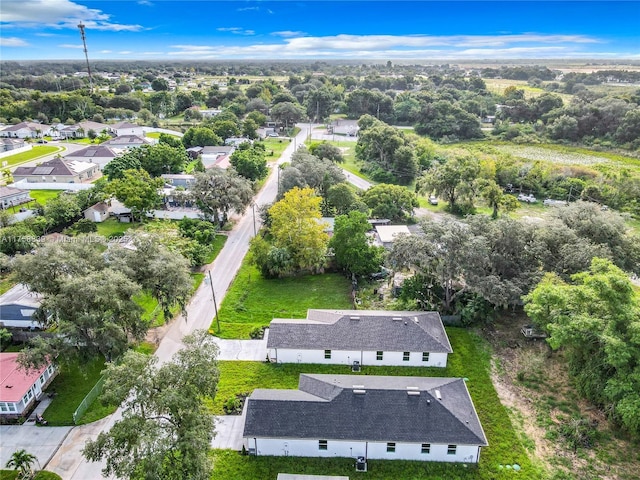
[406,356]
[451,450]
[12,407]
[42,379]
[50,369]
[425,356]
[327,354]
[379,355]
[426,448]
[322,445]
[391,447]
[3,407]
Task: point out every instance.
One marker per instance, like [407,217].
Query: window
[3,407]
[322,445]
[42,379]
[451,450]
[378,355]
[425,356]
[327,354]
[426,448]
[391,447]
[406,356]
[12,407]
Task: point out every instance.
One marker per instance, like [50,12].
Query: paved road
[68,461]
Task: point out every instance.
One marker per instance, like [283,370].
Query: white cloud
[146,3]
[287,33]
[236,30]
[246,9]
[125,52]
[105,51]
[58,14]
[12,42]
[69,45]
[44,34]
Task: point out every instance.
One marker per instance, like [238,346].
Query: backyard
[471,360]
[253,301]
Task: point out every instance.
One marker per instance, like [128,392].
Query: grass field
[253,301]
[43,196]
[275,147]
[498,85]
[6,282]
[71,386]
[471,360]
[112,228]
[33,154]
[40,475]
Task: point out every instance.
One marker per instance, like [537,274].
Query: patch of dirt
[533,383]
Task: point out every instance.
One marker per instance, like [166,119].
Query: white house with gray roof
[369,337]
[376,417]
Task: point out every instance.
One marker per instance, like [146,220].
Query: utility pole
[86,55]
[215,305]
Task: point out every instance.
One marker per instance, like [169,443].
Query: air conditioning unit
[251,451]
[361,464]
[356,366]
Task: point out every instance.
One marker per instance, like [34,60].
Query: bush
[257,333]
[232,405]
[85,225]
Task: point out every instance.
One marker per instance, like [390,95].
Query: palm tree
[22,461]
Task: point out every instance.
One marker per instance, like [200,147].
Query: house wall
[48,179]
[347,357]
[30,397]
[16,199]
[370,450]
[130,131]
[26,185]
[14,151]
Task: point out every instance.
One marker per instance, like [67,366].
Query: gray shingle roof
[57,166]
[367,330]
[327,407]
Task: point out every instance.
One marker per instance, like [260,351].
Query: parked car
[527,198]
[553,203]
[273,135]
[42,141]
[433,200]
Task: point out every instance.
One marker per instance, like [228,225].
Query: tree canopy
[353,249]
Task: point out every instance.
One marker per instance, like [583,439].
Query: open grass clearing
[471,359]
[33,154]
[6,281]
[275,147]
[43,196]
[71,385]
[562,155]
[253,301]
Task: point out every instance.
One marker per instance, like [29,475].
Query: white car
[273,135]
[433,200]
[527,198]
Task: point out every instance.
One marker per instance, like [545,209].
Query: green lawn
[34,153]
[156,134]
[43,196]
[218,243]
[112,228]
[6,282]
[275,147]
[71,385]
[471,359]
[253,301]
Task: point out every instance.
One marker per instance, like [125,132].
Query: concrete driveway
[39,441]
[249,350]
[229,432]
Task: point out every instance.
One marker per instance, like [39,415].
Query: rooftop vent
[354,318]
[415,319]
[438,396]
[412,388]
[397,319]
[415,393]
[359,391]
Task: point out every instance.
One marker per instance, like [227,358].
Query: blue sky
[420,30]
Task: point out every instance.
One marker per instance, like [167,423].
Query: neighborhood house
[10,197]
[20,389]
[360,337]
[18,306]
[57,170]
[375,417]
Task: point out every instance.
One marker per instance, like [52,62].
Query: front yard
[471,360]
[253,301]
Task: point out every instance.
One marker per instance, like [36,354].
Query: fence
[88,400]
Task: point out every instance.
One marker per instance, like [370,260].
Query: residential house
[386,234]
[360,337]
[235,141]
[8,144]
[210,113]
[216,155]
[194,152]
[118,210]
[81,130]
[25,130]
[126,128]
[58,170]
[123,142]
[375,417]
[179,179]
[97,213]
[20,389]
[100,155]
[18,306]
[10,197]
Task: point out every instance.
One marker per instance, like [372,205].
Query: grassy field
[275,147]
[471,359]
[43,196]
[253,301]
[498,85]
[71,386]
[112,228]
[218,244]
[34,153]
[40,475]
[6,282]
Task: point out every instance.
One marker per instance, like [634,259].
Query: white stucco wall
[342,357]
[370,450]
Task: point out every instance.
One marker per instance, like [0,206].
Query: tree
[171,140]
[225,128]
[162,158]
[128,161]
[62,210]
[353,250]
[326,150]
[497,199]
[200,137]
[595,318]
[160,85]
[295,226]
[390,201]
[445,119]
[287,112]
[166,429]
[16,238]
[343,199]
[22,461]
[219,191]
[137,191]
[251,162]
